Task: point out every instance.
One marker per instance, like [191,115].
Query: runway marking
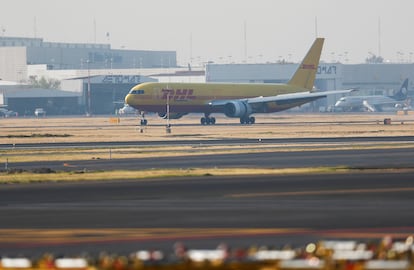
[321,192]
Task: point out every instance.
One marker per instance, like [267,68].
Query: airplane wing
[283,98]
[368,106]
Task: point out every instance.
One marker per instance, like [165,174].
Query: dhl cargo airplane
[174,100]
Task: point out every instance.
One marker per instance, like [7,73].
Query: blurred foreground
[384,254]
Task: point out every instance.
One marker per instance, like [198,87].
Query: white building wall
[72,85]
[377,79]
[13,65]
[162,74]
[271,73]
[180,79]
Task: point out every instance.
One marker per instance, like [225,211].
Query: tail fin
[402,93]
[304,76]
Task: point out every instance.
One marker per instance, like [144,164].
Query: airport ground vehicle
[7,113]
[40,112]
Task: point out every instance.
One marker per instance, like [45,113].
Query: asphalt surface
[296,208]
[299,208]
[353,158]
[317,140]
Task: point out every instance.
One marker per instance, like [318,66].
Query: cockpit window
[137,92]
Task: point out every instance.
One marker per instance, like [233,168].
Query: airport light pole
[89,90]
[168,127]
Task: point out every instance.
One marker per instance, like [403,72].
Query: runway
[124,216]
[282,209]
[350,158]
[233,141]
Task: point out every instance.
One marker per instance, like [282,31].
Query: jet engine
[237,109]
[172,115]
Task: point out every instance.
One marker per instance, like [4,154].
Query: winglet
[304,76]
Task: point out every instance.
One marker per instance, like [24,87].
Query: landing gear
[247,120]
[144,121]
[207,120]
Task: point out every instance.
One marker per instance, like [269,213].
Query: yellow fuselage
[195,97]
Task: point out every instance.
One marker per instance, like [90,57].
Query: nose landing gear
[143,121]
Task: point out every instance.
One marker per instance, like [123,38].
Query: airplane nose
[128,99]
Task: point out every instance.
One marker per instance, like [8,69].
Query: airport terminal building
[22,51]
[95,78]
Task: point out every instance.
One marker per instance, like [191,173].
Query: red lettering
[190,94]
[178,94]
[167,93]
[304,66]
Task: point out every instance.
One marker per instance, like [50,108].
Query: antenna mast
[245,41]
[379,36]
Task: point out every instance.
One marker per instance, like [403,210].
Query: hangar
[102,94]
[24,100]
[369,79]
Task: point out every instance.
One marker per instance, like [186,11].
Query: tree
[44,82]
[373,59]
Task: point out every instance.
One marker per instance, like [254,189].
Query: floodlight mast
[89,89]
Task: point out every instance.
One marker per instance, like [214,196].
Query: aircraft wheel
[252,120]
[203,120]
[144,122]
[213,120]
[208,120]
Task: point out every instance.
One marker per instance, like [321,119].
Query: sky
[223,31]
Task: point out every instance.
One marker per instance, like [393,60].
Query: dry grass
[69,154]
[150,175]
[89,129]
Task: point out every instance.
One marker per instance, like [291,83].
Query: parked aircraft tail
[402,92]
[304,76]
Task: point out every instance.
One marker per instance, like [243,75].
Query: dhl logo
[304,66]
[178,94]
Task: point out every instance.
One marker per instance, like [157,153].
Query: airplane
[375,103]
[237,100]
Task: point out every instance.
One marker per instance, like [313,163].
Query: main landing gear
[247,120]
[207,120]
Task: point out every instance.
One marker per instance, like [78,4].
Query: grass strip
[31,177]
[66,155]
